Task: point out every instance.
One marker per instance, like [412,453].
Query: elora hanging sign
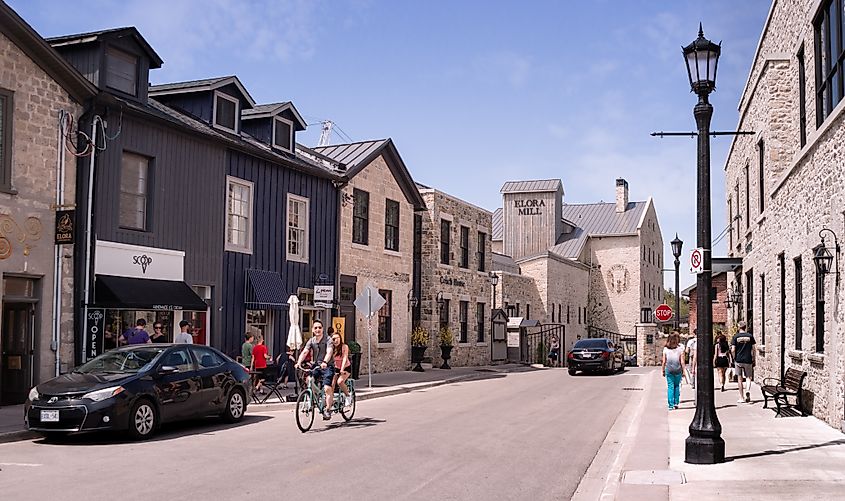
[65,223]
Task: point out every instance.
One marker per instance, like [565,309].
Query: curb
[388,392]
[17,436]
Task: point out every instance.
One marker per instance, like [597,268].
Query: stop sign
[663,312]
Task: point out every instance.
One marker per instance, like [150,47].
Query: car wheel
[143,420]
[235,406]
[572,372]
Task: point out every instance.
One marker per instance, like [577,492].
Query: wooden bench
[780,390]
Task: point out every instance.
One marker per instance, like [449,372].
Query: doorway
[16,352]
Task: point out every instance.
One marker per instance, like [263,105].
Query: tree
[669,298]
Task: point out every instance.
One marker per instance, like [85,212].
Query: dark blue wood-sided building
[201,208]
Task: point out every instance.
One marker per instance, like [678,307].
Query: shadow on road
[601,373]
[170,431]
[364,422]
[771,452]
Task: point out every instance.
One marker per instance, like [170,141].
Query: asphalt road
[525,435]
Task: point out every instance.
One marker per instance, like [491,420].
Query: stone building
[591,265]
[784,185]
[455,289]
[40,98]
[377,221]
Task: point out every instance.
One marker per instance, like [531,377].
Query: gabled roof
[206,84]
[538,186]
[356,156]
[273,109]
[596,220]
[30,42]
[109,34]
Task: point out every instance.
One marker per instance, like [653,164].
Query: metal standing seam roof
[93,36]
[594,220]
[260,109]
[352,155]
[187,84]
[541,185]
[201,85]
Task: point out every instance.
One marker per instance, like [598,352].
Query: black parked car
[597,354]
[137,388]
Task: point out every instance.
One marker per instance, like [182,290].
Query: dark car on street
[595,354]
[137,388]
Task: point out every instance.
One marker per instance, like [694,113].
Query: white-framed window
[121,71]
[238,215]
[227,110]
[260,323]
[298,220]
[283,134]
[134,190]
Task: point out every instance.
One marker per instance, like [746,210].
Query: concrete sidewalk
[384,384]
[767,457]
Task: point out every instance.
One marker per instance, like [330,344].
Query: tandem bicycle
[312,399]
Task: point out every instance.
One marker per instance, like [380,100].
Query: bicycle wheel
[304,411]
[348,411]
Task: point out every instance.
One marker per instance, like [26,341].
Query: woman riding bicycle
[342,366]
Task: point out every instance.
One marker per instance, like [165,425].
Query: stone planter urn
[445,354]
[417,355]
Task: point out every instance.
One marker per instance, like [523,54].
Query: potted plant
[355,358]
[419,342]
[447,341]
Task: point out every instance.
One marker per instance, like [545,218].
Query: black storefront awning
[265,290]
[144,294]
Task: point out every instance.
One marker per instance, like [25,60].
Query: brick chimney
[621,195]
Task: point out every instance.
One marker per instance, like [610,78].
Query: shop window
[391,225]
[134,189]
[479,320]
[121,71]
[830,58]
[283,134]
[464,262]
[762,309]
[298,217]
[360,216]
[226,112]
[463,314]
[18,287]
[761,166]
[259,323]
[239,215]
[445,237]
[480,255]
[799,306]
[444,314]
[7,107]
[802,98]
[385,318]
[749,301]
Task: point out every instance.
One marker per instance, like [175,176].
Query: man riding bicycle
[321,353]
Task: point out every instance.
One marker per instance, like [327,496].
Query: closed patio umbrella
[294,333]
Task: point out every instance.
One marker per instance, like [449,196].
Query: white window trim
[305,247]
[249,184]
[273,138]
[237,112]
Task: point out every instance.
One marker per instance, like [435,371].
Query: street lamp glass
[677,245]
[702,58]
[823,259]
[494,279]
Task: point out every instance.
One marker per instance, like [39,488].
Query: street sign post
[696,260]
[368,303]
[663,313]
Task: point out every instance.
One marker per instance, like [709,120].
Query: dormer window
[121,71]
[283,134]
[226,112]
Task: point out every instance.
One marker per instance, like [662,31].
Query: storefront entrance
[17,345]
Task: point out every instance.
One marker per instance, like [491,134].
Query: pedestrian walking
[673,368]
[184,337]
[554,351]
[138,334]
[745,358]
[690,358]
[721,357]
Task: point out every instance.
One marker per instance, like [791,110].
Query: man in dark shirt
[138,335]
[323,371]
[745,358]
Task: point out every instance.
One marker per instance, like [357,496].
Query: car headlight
[103,394]
[33,394]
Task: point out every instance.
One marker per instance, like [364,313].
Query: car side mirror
[167,369]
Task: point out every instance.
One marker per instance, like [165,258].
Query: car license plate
[49,416]
[587,355]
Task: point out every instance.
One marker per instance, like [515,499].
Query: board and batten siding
[186,208]
[272,183]
[534,230]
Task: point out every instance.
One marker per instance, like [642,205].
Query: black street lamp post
[677,245]
[704,444]
[494,280]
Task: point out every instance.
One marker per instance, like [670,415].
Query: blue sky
[474,93]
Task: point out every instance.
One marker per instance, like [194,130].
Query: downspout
[89,213]
[57,250]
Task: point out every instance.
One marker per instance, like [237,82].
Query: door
[348,293]
[16,348]
[212,378]
[179,392]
